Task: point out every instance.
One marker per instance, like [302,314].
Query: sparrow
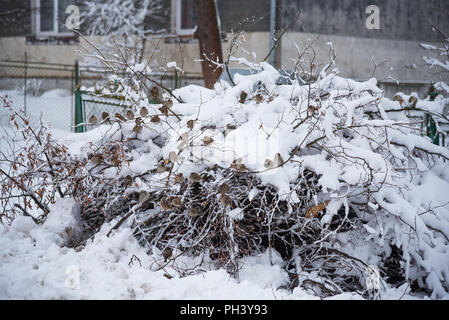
[226,201]
[105,116]
[195,177]
[137,128]
[161,168]
[258,98]
[176,202]
[130,115]
[127,181]
[224,188]
[97,159]
[143,196]
[207,141]
[190,124]
[179,178]
[120,117]
[169,103]
[93,119]
[165,204]
[155,119]
[144,112]
[194,211]
[154,92]
[278,161]
[268,164]
[167,253]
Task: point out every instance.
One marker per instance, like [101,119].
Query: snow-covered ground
[54,106]
[35,264]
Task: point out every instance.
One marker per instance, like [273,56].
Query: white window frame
[36,5]
[180,31]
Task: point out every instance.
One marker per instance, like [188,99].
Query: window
[49,17]
[185,17]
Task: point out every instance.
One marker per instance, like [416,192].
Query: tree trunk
[208,34]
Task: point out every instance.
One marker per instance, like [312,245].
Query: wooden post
[208,34]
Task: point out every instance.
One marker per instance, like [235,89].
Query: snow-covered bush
[438,58]
[331,174]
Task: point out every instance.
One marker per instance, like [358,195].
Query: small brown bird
[195,177]
[155,119]
[143,112]
[164,109]
[143,196]
[258,98]
[127,181]
[268,164]
[130,115]
[168,103]
[312,110]
[190,124]
[137,128]
[165,204]
[119,117]
[179,178]
[114,162]
[161,168]
[278,161]
[243,97]
[154,92]
[194,211]
[226,201]
[176,202]
[105,116]
[93,119]
[167,253]
[207,141]
[224,188]
[97,159]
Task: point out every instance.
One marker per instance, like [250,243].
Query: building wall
[395,46]
[399,19]
[357,57]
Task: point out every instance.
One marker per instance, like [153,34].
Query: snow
[35,264]
[54,106]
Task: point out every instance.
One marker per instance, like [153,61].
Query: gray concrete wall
[399,19]
[357,57]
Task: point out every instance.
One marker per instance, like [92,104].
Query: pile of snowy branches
[330,174]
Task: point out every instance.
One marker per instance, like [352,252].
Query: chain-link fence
[40,90]
[47,91]
[91,101]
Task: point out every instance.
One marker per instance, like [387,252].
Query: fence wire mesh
[46,90]
[40,90]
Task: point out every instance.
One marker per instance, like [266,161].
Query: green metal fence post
[78,102]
